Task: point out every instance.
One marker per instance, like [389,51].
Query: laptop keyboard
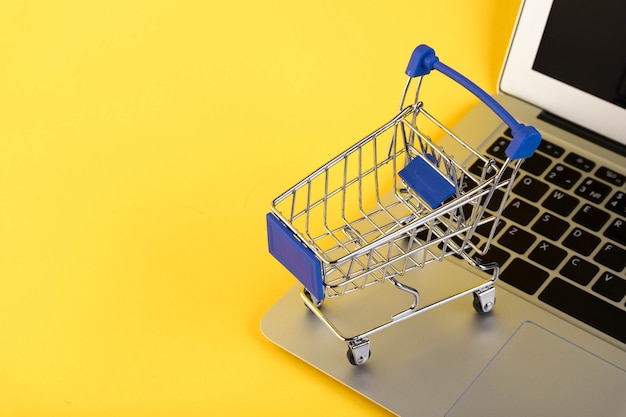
[562,237]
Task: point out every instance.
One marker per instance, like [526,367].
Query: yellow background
[141,143]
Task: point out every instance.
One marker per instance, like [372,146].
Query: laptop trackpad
[538,373]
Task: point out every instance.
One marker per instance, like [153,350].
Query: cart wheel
[312,298]
[358,352]
[481,308]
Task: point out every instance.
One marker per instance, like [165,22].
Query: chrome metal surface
[366,226]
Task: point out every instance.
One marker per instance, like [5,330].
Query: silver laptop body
[555,343]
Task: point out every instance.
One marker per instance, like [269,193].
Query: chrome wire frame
[366,226]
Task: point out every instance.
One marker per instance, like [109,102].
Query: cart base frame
[359,344]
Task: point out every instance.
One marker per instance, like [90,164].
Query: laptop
[555,342]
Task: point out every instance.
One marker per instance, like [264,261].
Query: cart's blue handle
[525,138]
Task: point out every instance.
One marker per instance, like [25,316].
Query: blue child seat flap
[427,182]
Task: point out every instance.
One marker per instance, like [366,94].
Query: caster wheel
[314,300]
[354,361]
[359,353]
[481,308]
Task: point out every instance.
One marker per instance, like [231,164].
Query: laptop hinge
[583,132]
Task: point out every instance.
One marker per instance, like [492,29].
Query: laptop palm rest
[435,363]
[539,373]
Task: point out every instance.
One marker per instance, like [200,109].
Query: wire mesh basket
[393,202]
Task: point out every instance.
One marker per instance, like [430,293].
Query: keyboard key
[560,203]
[496,199]
[617,231]
[579,270]
[485,229]
[466,211]
[581,241]
[530,188]
[550,149]
[516,239]
[593,190]
[477,169]
[493,255]
[467,184]
[586,307]
[524,276]
[536,164]
[550,226]
[611,256]
[520,211]
[563,176]
[591,217]
[610,286]
[457,242]
[547,254]
[611,176]
[579,162]
[617,203]
[498,148]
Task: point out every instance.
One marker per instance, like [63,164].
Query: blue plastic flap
[427,182]
[294,256]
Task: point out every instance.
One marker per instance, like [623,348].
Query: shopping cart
[393,202]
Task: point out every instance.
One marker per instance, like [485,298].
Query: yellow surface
[141,143]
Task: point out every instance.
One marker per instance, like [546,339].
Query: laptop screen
[584,45]
[568,57]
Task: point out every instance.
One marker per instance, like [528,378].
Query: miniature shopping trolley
[393,202]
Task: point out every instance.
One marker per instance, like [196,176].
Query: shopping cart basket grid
[393,202]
